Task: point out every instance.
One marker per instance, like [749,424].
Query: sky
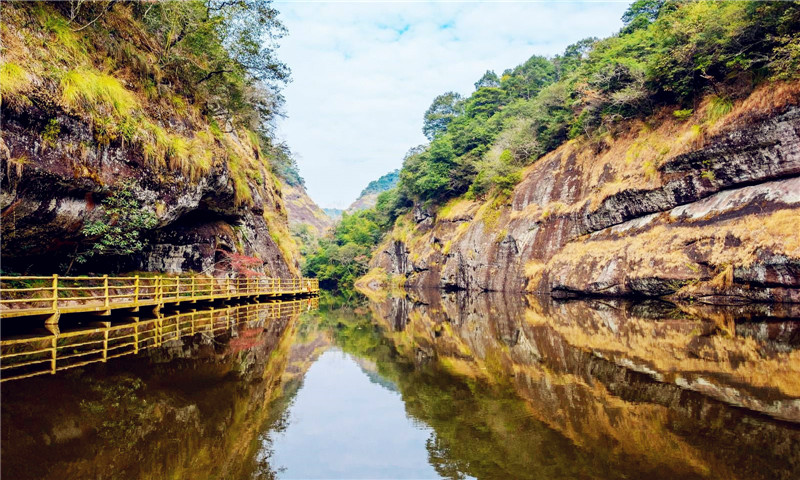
[363,73]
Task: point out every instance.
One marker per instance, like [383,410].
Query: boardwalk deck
[56,295]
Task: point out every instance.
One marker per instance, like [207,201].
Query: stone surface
[731,203]
[49,196]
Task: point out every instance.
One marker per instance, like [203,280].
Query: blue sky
[365,72]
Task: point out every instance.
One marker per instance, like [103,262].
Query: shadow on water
[497,387]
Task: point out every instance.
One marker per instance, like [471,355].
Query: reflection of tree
[441,458]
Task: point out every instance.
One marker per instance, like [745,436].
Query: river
[435,385]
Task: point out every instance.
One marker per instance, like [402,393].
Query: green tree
[640,14]
[442,111]
[489,79]
[121,230]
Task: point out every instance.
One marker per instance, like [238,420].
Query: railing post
[54,346]
[105,344]
[55,292]
[193,284]
[136,290]
[178,287]
[105,292]
[227,286]
[159,291]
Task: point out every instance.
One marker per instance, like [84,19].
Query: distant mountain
[333,213]
[369,196]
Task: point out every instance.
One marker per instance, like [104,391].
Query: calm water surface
[430,386]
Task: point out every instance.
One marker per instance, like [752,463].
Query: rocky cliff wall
[48,197]
[302,210]
[87,113]
[706,208]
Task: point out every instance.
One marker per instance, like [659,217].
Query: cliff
[302,210]
[706,208]
[115,106]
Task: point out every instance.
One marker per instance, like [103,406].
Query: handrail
[35,295]
[48,354]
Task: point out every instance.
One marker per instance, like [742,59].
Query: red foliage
[240,264]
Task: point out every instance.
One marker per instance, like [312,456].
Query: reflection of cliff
[194,409]
[591,372]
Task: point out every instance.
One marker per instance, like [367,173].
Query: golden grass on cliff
[458,208]
[667,244]
[101,93]
[767,99]
[13,79]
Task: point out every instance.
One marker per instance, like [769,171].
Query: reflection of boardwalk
[28,296]
[37,355]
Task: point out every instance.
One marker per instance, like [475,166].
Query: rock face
[302,210]
[48,198]
[707,211]
[75,134]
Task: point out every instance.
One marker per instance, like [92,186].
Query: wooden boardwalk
[56,295]
[33,355]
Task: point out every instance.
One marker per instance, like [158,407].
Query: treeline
[385,182]
[668,53]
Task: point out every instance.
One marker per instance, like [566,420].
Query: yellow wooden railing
[20,296]
[42,354]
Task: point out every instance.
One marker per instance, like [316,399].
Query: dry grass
[667,244]
[765,100]
[534,270]
[458,209]
[13,79]
[85,89]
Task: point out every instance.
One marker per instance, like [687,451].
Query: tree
[442,111]
[489,79]
[224,49]
[528,79]
[640,14]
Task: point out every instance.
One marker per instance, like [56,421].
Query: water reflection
[433,385]
[192,408]
[626,390]
[349,422]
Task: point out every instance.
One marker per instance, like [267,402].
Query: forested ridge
[673,56]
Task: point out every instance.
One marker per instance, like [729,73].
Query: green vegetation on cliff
[169,78]
[343,256]
[175,96]
[668,53]
[673,56]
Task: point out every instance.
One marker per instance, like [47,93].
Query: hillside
[713,218]
[135,138]
[302,210]
[662,161]
[369,196]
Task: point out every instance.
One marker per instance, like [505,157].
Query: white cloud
[365,72]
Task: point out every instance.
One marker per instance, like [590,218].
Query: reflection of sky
[343,425]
